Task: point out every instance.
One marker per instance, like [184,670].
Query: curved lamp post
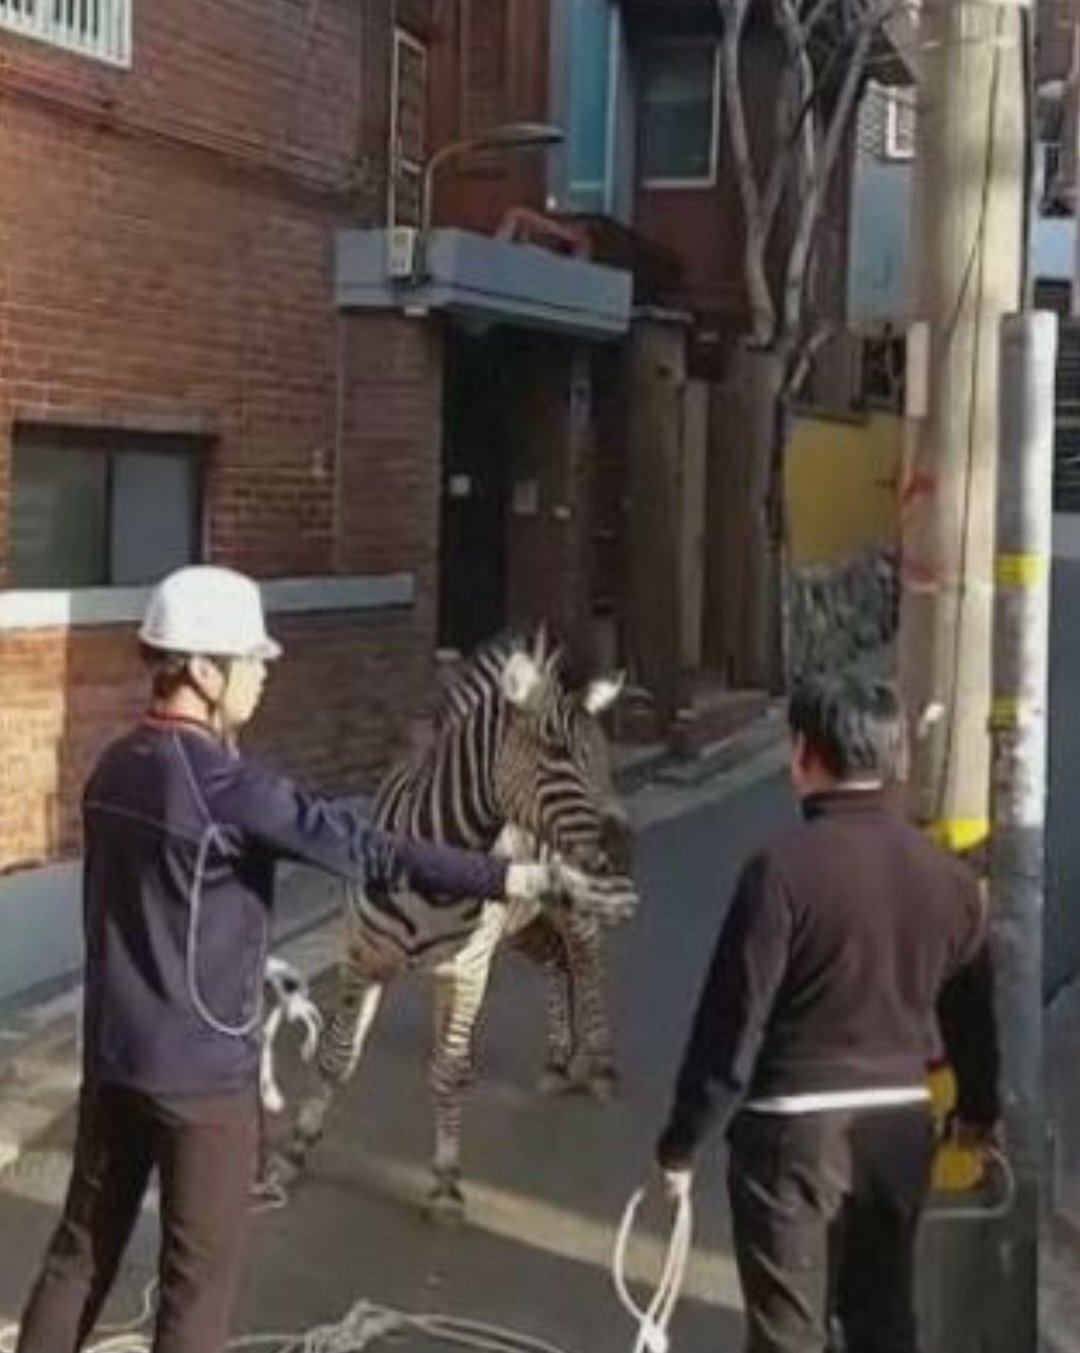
[509,136]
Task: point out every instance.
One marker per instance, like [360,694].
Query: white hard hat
[214,612]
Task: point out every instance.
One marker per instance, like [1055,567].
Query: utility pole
[967,235]
[1018,794]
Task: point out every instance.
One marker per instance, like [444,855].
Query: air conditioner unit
[401,247]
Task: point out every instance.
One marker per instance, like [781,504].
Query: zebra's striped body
[516,764]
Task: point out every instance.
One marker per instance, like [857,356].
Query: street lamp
[509,136]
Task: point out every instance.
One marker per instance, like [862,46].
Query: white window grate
[900,124]
[94,28]
[408,129]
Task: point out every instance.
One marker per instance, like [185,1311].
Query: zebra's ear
[522,680]
[601,694]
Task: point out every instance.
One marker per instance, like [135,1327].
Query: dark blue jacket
[182,836]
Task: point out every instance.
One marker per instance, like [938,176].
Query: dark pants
[204,1151]
[825,1209]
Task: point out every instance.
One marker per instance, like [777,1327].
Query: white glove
[677,1184]
[610,899]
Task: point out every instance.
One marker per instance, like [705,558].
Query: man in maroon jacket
[852,947]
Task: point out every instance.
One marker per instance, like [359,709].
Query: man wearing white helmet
[181,840]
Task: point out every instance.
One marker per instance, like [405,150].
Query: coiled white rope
[363,1326]
[654,1321]
[367,1323]
[292,1005]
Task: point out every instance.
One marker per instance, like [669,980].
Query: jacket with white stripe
[853,950]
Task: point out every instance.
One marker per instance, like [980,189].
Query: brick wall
[336,707]
[165,263]
[489,65]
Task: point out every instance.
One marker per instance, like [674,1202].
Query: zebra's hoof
[597,1078]
[281,1172]
[268,1194]
[445,1204]
[603,1087]
[555,1082]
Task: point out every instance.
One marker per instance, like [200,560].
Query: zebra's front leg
[559,1021]
[340,1047]
[543,944]
[460,987]
[593,1066]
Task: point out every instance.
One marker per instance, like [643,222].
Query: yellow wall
[842,478]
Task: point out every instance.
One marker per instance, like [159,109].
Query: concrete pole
[1018,793]
[967,245]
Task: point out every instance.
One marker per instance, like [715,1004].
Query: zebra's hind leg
[593,1066]
[460,987]
[338,1055]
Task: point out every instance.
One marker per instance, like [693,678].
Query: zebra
[517,763]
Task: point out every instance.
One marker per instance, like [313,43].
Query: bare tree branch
[763,311]
[805,133]
[814,201]
[803,359]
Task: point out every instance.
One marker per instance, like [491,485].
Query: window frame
[669,182]
[61,437]
[899,102]
[603,190]
[112,46]
[400,165]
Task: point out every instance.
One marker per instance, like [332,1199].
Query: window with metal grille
[101,509]
[96,28]
[407,129]
[899,123]
[884,371]
[1067,421]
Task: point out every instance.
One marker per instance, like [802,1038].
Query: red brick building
[187,373]
[177,384]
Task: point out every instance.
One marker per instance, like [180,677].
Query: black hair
[854,726]
[170,671]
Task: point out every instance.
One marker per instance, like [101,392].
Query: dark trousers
[204,1151]
[825,1210]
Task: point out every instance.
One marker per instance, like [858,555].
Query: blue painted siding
[878,285]
[590,100]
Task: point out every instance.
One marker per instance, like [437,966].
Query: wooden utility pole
[968,235]
[968,238]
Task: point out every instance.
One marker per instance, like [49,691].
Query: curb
[718,758]
[657,764]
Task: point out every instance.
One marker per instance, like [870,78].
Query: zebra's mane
[479,677]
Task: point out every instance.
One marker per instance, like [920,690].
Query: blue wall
[880,214]
[881,207]
[590,104]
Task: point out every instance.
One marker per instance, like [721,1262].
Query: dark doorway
[475,476]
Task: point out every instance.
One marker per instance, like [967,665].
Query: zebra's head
[554,769]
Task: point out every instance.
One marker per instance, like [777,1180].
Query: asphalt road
[547,1181]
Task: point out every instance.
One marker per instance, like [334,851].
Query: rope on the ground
[654,1321]
[367,1323]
